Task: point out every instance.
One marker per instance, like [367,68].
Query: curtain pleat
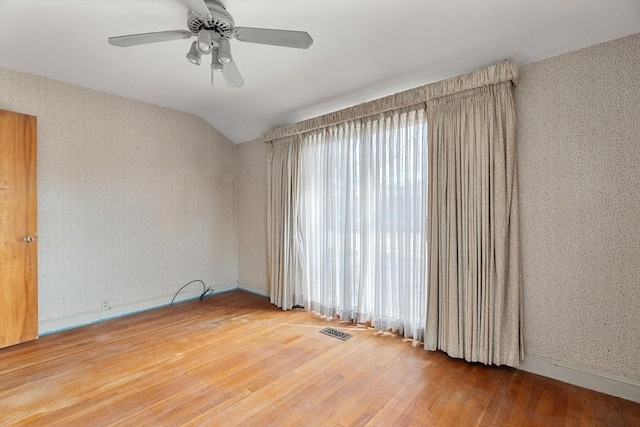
[474,283]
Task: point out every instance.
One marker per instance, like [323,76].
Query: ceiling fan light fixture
[204,42]
[224,50]
[194,55]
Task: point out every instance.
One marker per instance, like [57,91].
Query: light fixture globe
[193,55]
[204,42]
[224,50]
[215,63]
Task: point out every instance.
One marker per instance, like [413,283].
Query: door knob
[29,239]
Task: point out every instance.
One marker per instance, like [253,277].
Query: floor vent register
[336,334]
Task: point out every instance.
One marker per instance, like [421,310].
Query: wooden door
[18,234]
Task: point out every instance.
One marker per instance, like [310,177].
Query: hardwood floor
[235,359]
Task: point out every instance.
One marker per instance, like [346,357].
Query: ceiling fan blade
[232,75]
[286,38]
[161,36]
[199,7]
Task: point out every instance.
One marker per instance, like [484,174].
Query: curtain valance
[506,71]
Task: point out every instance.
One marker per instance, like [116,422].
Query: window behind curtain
[363,221]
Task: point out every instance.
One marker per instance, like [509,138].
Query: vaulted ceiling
[362,49]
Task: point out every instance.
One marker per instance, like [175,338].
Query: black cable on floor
[206,291]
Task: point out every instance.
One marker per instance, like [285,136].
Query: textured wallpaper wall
[134,200]
[579,170]
[252,214]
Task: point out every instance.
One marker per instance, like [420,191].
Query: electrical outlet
[106,305]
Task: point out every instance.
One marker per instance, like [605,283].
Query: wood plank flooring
[235,359]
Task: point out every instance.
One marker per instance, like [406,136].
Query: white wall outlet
[106,305]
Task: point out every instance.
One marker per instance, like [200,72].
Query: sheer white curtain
[362,218]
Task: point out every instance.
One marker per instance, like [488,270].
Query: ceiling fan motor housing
[221,21]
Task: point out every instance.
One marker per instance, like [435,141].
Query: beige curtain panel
[474,283]
[283,164]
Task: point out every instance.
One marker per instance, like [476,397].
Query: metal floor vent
[336,334]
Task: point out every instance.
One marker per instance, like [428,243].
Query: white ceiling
[363,49]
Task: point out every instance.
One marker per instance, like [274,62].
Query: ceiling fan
[214,27]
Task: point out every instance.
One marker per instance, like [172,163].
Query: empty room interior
[332,213]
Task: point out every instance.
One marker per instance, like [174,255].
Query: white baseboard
[583,377]
[61,323]
[253,289]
